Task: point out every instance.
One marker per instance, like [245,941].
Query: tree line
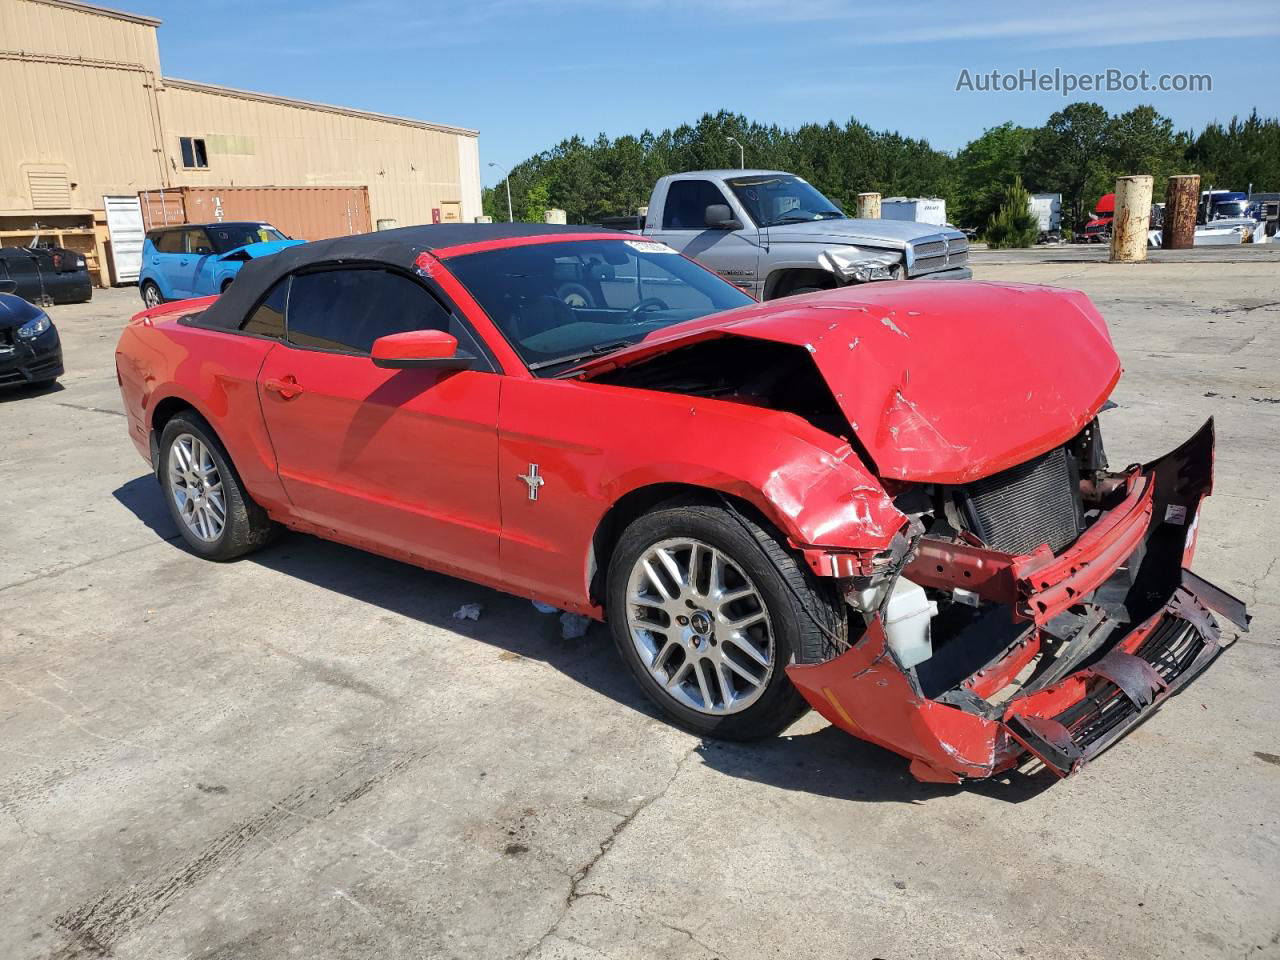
[1078,152]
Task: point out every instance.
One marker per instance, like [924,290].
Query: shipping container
[931,210]
[305,213]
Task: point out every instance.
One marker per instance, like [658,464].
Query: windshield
[229,236]
[781,198]
[559,303]
[1224,209]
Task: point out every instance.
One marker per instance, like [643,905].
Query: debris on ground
[544,607]
[573,625]
[468,611]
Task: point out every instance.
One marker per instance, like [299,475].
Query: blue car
[196,260]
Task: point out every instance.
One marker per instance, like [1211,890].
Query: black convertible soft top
[398,248]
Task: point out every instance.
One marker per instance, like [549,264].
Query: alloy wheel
[150,296]
[700,626]
[196,487]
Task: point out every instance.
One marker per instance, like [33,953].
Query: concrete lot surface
[302,755]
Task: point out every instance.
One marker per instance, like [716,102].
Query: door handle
[287,387]
[183,263]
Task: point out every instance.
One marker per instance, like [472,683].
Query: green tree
[1013,224]
[1078,152]
[982,166]
[1141,140]
[1243,152]
[1068,155]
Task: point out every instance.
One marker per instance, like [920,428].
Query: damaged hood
[941,382]
[890,234]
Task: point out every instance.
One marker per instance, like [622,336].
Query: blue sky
[528,73]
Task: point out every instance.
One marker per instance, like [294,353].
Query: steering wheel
[644,306]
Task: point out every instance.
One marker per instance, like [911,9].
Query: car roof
[399,248]
[730,174]
[438,236]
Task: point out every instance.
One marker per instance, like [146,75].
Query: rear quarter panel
[159,359]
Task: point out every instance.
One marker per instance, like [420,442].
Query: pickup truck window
[687,202]
[559,303]
[781,198]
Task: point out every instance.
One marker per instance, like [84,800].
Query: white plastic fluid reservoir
[906,622]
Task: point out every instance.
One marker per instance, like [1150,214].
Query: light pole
[506,178]
[742,154]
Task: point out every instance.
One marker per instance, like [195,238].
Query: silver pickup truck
[773,234]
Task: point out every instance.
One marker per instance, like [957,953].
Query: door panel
[734,254]
[196,264]
[124,227]
[403,458]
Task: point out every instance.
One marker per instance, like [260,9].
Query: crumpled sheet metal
[864,692]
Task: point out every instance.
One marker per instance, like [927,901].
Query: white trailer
[1047,209]
[931,210]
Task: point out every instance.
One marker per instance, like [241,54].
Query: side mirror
[718,216]
[420,348]
[8,286]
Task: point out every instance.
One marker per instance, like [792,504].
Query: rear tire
[151,296]
[708,674]
[208,503]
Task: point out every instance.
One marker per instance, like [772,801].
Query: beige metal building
[87,115]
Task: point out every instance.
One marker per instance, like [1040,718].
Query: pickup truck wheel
[206,499]
[151,295]
[707,609]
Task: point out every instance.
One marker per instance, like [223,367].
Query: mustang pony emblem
[534,480]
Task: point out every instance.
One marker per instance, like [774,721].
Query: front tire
[216,517]
[707,609]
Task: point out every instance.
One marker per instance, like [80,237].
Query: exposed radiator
[1033,503]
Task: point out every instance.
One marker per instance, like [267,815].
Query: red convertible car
[889,502]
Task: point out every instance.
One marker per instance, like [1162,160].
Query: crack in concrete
[88,563]
[1257,584]
[688,933]
[77,406]
[1250,309]
[580,875]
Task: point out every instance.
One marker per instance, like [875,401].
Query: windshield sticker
[648,246]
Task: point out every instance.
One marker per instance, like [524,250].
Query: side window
[197,241]
[347,310]
[194,155]
[267,319]
[22,267]
[169,241]
[687,202]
